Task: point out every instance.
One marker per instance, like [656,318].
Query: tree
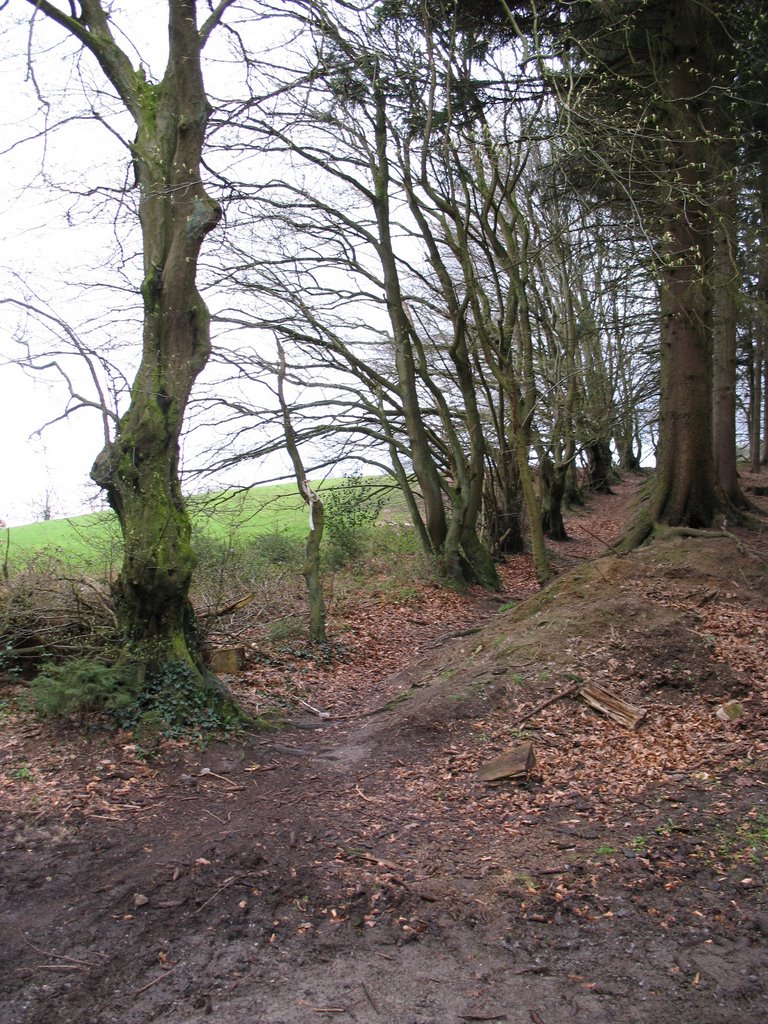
[316,516]
[139,466]
[340,121]
[656,74]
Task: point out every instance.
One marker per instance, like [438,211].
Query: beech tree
[139,466]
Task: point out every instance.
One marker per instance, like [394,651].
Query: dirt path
[356,870]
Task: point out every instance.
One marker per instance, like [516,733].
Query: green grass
[745,840]
[93,543]
[245,514]
[87,542]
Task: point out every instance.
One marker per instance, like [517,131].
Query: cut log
[628,715]
[227,661]
[512,764]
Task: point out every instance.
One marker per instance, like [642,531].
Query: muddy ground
[356,869]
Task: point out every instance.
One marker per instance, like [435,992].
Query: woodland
[488,741]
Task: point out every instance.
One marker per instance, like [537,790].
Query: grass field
[94,542]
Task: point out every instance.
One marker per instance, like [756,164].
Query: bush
[278,548]
[78,687]
[351,509]
[171,702]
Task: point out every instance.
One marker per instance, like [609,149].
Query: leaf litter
[355,866]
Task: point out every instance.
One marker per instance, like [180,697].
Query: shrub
[278,548]
[170,703]
[79,687]
[351,509]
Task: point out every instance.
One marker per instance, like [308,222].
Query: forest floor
[355,868]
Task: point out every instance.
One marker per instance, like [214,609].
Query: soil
[354,868]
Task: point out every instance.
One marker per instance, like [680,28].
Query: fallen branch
[574,688]
[314,711]
[227,609]
[469,631]
[628,715]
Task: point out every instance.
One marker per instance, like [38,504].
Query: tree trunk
[503,506]
[686,491]
[552,493]
[599,467]
[312,575]
[573,492]
[423,463]
[139,469]
[532,505]
[727,280]
[758,395]
[624,437]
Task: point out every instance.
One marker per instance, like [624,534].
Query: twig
[154,981]
[60,956]
[320,714]
[207,771]
[367,799]
[57,967]
[321,1009]
[225,885]
[551,700]
[596,536]
[369,997]
[228,608]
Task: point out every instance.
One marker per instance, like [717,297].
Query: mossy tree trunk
[139,468]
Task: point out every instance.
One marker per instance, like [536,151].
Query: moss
[149,95]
